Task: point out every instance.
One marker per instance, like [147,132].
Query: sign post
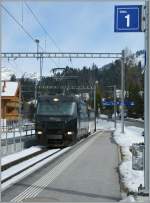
[147,100]
[127,19]
[122,90]
[130,18]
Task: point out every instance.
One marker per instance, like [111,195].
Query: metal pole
[14,140]
[0,96]
[115,105]
[122,90]
[41,59]
[147,100]
[20,103]
[41,67]
[35,93]
[95,107]
[6,143]
[37,43]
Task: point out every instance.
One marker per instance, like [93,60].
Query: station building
[10,101]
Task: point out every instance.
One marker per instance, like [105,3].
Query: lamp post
[37,41]
[95,85]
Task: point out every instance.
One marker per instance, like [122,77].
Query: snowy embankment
[18,171]
[16,134]
[130,178]
[104,124]
[13,157]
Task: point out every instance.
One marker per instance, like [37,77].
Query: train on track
[61,121]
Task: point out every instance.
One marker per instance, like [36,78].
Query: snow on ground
[16,133]
[129,198]
[18,155]
[103,116]
[136,119]
[132,135]
[104,124]
[30,170]
[19,167]
[131,178]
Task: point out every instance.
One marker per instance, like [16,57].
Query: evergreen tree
[13,77]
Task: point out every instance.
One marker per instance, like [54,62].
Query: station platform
[88,173]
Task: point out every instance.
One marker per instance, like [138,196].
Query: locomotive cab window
[57,108]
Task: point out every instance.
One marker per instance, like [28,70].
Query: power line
[44,29]
[22,27]
[37,20]
[29,35]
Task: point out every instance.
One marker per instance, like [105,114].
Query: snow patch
[105,125]
[19,167]
[18,155]
[10,88]
[103,116]
[131,178]
[130,198]
[131,135]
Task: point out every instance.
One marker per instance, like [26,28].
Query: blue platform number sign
[128,18]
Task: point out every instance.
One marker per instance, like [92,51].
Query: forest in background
[108,75]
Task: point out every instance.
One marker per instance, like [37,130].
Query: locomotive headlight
[39,132]
[55,99]
[69,132]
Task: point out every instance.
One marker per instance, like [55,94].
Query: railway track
[6,166]
[20,168]
[16,170]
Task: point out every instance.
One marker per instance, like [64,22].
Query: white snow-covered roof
[9,88]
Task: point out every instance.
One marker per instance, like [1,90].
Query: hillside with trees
[108,75]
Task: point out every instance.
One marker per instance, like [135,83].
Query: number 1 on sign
[128,20]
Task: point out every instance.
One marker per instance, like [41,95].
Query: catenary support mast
[147,99]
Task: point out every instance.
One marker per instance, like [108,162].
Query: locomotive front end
[56,121]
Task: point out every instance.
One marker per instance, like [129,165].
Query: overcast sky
[75,26]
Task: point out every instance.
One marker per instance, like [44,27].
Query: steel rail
[25,159]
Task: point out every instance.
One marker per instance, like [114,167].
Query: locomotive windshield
[56,108]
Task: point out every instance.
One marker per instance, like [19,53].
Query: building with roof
[10,100]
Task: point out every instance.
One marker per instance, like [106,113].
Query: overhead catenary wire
[44,29]
[23,28]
